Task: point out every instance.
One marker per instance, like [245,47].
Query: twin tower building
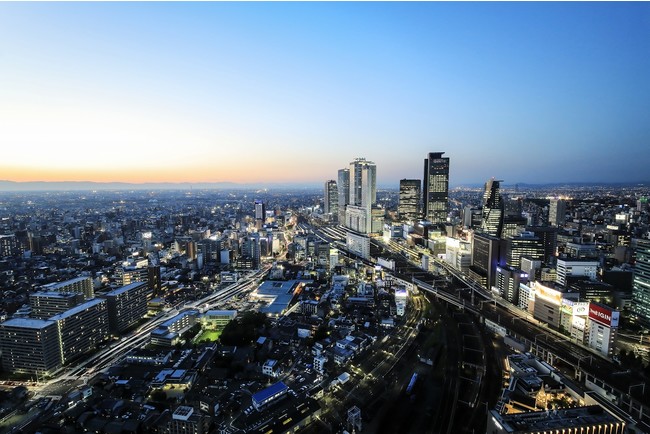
[351,198]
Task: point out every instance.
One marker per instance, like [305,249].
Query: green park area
[207,336]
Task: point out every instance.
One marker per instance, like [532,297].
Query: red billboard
[603,314]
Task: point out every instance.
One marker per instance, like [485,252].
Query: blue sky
[291,92]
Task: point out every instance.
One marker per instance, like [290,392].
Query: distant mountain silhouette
[523,185]
[90,185]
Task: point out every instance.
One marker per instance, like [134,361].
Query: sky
[247,92]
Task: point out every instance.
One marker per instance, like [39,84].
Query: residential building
[49,303]
[126,306]
[82,328]
[30,346]
[82,285]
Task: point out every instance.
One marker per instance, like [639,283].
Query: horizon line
[9,185]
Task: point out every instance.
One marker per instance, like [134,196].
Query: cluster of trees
[244,329]
[630,361]
[193,331]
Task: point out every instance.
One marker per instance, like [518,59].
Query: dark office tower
[409,199]
[513,226]
[548,235]
[471,217]
[331,202]
[526,244]
[250,248]
[641,283]
[487,254]
[513,206]
[492,222]
[343,187]
[435,194]
[557,212]
[153,274]
[507,282]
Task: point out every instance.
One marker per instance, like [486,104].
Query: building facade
[126,306]
[331,200]
[409,199]
[557,212]
[435,190]
[492,214]
[641,282]
[82,285]
[343,188]
[82,328]
[30,346]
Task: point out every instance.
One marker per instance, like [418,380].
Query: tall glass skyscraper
[363,182]
[331,200]
[343,187]
[641,283]
[409,199]
[435,193]
[363,195]
[492,222]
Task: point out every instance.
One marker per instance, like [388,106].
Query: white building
[271,368]
[319,364]
[569,267]
[400,301]
[358,244]
[603,325]
[458,254]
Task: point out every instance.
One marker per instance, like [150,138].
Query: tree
[158,395]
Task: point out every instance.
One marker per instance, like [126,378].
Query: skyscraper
[525,244]
[363,183]
[363,195]
[557,212]
[343,187]
[436,188]
[331,200]
[260,214]
[260,210]
[492,222]
[409,199]
[641,284]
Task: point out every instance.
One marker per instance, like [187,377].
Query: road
[114,352]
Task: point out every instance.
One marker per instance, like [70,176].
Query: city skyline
[288,92]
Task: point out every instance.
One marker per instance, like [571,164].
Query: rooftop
[30,323]
[270,391]
[557,419]
[78,309]
[126,288]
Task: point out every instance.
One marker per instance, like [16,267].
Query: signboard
[603,315]
[548,294]
[581,308]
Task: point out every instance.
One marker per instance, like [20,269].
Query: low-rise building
[266,396]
